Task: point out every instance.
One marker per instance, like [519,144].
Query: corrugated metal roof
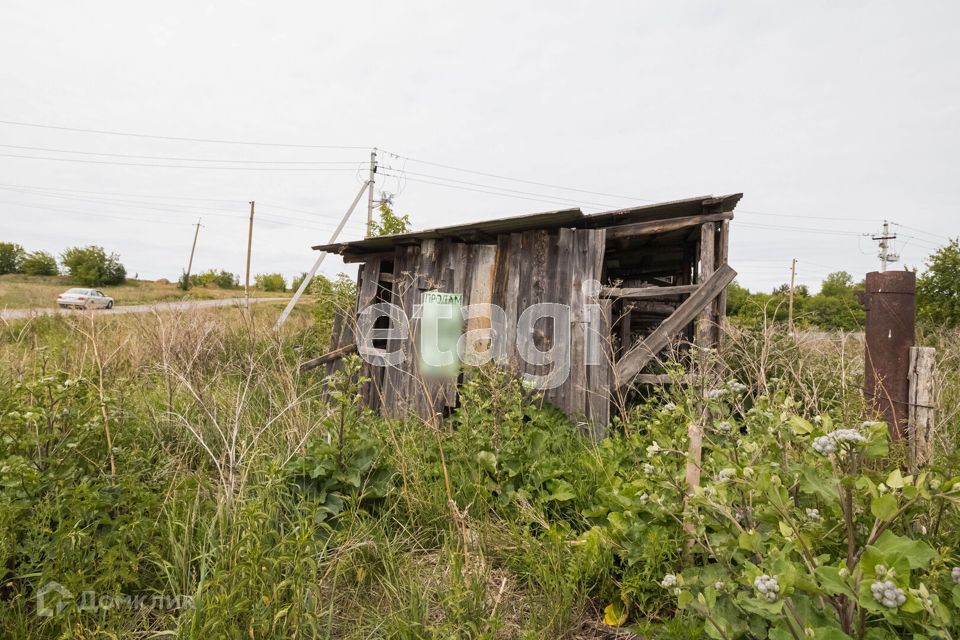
[548,220]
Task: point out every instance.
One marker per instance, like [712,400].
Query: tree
[270,282]
[938,288]
[39,263]
[11,256]
[210,278]
[92,266]
[390,223]
[838,283]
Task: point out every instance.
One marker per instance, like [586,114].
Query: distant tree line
[91,266]
[837,307]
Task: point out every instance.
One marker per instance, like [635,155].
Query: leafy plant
[11,257]
[270,282]
[345,461]
[39,263]
[92,266]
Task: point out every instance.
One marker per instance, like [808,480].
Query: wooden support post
[922,404]
[706,323]
[723,249]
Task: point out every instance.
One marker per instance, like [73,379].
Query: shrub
[938,288]
[210,277]
[11,257]
[39,263]
[92,266]
[270,282]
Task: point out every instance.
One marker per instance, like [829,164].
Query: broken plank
[647,349]
[336,354]
[638,293]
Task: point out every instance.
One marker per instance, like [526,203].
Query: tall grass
[183,453]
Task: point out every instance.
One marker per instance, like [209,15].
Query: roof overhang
[570,218]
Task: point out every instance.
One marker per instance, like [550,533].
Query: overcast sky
[828,116]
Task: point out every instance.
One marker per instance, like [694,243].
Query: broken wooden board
[646,350]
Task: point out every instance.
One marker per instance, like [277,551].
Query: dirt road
[181,305]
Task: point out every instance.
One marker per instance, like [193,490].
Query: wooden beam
[706,324]
[723,249]
[336,354]
[662,226]
[646,350]
[639,293]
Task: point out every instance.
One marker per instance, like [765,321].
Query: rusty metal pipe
[890,300]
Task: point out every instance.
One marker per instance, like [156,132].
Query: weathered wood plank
[706,323]
[723,249]
[336,354]
[920,426]
[639,293]
[646,350]
[662,226]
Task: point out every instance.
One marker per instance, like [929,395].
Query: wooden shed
[635,280]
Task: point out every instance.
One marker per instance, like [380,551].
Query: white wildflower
[813,515]
[888,594]
[715,394]
[653,449]
[643,498]
[847,435]
[669,407]
[844,572]
[668,581]
[767,586]
[718,585]
[726,474]
[882,572]
[824,445]
[955,574]
[829,443]
[649,468]
[736,387]
[723,426]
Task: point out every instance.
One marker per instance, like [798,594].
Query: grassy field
[182,459]
[27,292]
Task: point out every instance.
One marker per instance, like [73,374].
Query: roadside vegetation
[33,292]
[175,475]
[184,455]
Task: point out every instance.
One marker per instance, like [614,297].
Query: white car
[84,299]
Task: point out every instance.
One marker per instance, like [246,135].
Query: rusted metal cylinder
[890,300]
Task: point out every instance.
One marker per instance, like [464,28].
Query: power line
[173,166]
[180,159]
[115,193]
[495,193]
[170,207]
[280,220]
[531,182]
[180,138]
[505,189]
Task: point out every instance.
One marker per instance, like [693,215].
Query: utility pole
[186,281]
[885,254]
[316,265]
[793,275]
[246,285]
[370,182]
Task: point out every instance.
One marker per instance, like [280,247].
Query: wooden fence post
[921,408]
